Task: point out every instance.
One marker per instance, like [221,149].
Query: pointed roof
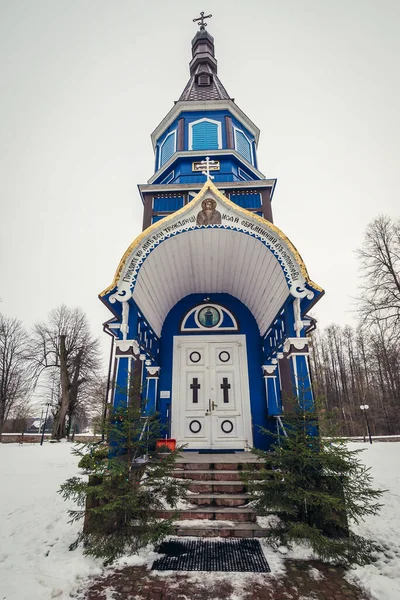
[204,83]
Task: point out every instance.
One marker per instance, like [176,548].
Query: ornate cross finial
[208,163]
[201,22]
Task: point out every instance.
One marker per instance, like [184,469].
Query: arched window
[205,134]
[167,148]
[243,145]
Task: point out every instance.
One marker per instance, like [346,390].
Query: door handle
[209,405]
[214,406]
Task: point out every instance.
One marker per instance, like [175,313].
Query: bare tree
[64,350]
[379,300]
[15,382]
[355,367]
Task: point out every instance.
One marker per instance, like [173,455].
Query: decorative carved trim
[298,323]
[129,347]
[295,346]
[269,370]
[153,371]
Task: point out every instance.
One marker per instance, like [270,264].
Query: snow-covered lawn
[35,563]
[382,579]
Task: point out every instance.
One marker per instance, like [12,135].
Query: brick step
[217,487]
[188,466]
[220,529]
[213,513]
[219,499]
[211,474]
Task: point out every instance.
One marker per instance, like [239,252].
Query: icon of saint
[209,215]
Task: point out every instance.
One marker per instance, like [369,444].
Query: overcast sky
[85,82]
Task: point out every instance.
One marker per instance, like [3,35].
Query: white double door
[210,392]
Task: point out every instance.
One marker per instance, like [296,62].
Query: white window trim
[169,177]
[236,129]
[245,176]
[221,309]
[219,131]
[162,144]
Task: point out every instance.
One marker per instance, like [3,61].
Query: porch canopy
[211,245]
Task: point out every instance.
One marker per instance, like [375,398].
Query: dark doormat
[216,451]
[239,555]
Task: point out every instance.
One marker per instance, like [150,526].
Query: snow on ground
[35,563]
[382,578]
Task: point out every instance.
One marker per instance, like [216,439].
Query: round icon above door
[209,316]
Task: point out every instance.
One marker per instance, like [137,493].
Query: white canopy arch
[232,251]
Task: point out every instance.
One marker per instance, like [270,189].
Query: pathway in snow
[35,563]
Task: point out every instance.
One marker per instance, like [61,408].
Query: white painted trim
[162,144]
[196,311]
[219,131]
[205,153]
[170,176]
[242,176]
[128,380]
[297,342]
[205,106]
[194,188]
[152,370]
[125,320]
[236,130]
[296,380]
[240,340]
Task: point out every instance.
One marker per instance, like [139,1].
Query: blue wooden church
[210,302]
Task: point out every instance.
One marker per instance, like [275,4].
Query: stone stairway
[217,497]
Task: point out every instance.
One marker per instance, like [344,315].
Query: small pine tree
[314,485]
[121,492]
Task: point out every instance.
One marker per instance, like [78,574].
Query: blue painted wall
[229,170]
[190,117]
[247,326]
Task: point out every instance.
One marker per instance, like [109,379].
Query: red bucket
[169,443]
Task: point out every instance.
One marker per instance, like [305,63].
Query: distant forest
[357,366]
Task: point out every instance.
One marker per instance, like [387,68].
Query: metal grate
[239,555]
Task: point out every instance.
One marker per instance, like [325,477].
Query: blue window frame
[205,134]
[167,148]
[243,145]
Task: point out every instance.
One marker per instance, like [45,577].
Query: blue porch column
[151,389]
[270,373]
[296,351]
[128,371]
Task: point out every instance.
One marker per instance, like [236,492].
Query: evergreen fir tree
[122,487]
[315,486]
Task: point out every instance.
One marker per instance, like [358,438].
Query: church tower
[210,302]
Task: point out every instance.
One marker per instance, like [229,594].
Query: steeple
[205,122]
[203,83]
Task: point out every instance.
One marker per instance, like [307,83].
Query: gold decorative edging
[210,186]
